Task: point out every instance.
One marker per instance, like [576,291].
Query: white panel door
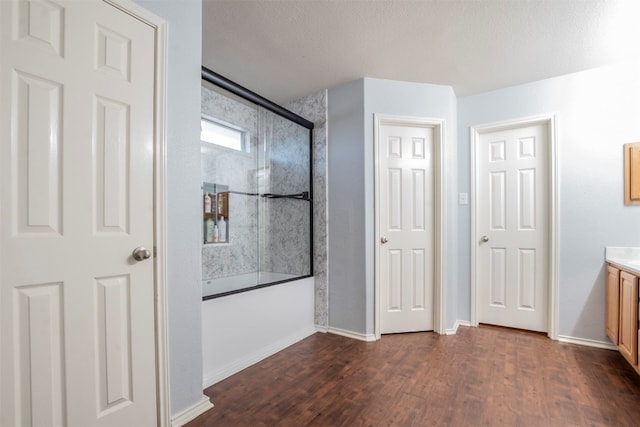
[513,227]
[406,218]
[77,320]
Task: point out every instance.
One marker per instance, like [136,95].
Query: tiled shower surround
[314,108]
[284,231]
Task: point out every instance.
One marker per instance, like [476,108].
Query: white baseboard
[456,325]
[350,334]
[587,342]
[211,378]
[322,329]
[561,338]
[192,413]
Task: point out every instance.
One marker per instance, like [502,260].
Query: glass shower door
[285,199]
[256,196]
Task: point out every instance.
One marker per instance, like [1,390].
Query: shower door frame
[238,90]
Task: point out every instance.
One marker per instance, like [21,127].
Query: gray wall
[346,207]
[419,100]
[183,198]
[351,191]
[597,111]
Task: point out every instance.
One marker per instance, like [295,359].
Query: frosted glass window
[221,134]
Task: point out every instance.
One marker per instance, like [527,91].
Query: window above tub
[217,132]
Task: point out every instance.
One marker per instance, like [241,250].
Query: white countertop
[625,258]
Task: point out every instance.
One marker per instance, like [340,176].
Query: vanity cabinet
[622,307]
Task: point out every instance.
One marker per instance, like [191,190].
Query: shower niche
[215,213]
[256,190]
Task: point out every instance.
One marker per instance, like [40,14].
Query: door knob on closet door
[484,239]
[141,253]
[383,240]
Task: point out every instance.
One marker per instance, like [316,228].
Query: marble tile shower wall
[314,108]
[236,170]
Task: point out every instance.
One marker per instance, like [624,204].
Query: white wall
[242,329]
[183,179]
[597,111]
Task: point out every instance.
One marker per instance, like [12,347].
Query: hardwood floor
[486,376]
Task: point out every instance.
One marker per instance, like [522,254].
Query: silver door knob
[484,239]
[383,240]
[141,253]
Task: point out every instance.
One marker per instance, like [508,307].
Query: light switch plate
[463,198]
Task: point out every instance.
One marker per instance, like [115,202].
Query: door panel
[113,336]
[498,275]
[111,158]
[40,354]
[417,200]
[526,279]
[497,195]
[394,221]
[77,323]
[418,264]
[527,199]
[512,208]
[395,280]
[37,154]
[406,219]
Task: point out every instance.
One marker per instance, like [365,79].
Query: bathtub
[241,329]
[226,285]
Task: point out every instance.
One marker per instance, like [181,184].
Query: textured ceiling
[288,49]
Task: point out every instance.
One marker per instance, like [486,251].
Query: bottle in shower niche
[222,230]
[216,236]
[207,204]
[210,230]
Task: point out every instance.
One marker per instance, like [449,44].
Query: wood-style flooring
[486,376]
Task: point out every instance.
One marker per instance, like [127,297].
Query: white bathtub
[241,329]
[241,281]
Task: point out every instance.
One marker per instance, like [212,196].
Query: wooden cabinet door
[613,303]
[632,173]
[628,332]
